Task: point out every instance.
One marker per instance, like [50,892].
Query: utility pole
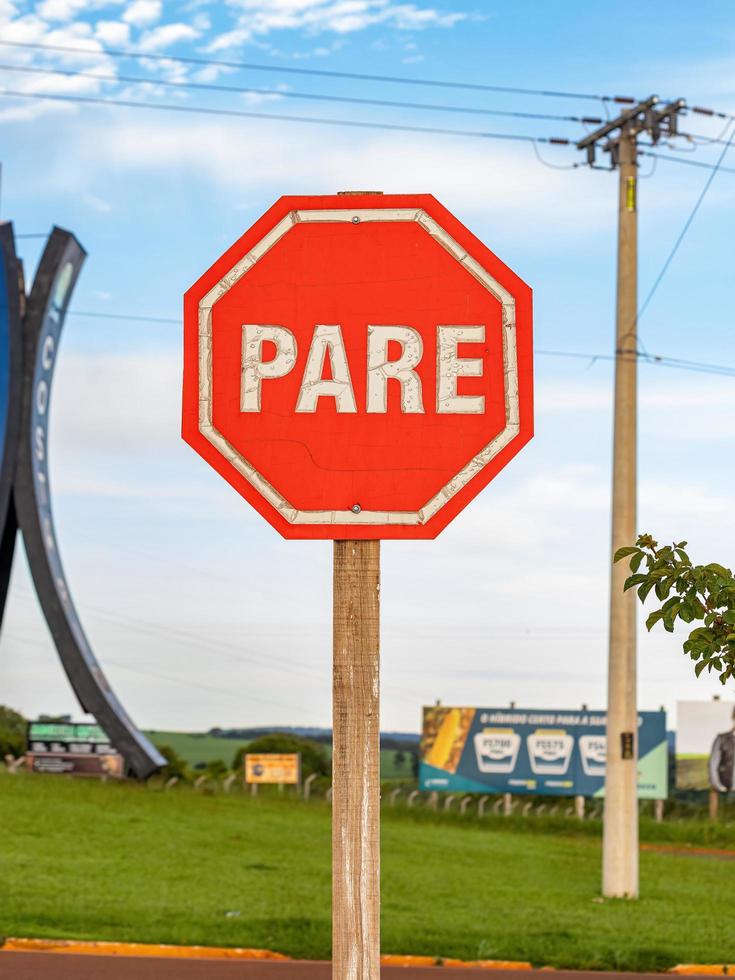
[619,138]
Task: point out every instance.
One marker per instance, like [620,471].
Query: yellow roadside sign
[271,767]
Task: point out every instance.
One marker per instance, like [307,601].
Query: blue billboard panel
[533,751]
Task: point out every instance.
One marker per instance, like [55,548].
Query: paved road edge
[101,948]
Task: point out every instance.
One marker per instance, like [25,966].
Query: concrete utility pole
[619,138]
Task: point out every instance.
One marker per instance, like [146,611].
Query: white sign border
[365,517]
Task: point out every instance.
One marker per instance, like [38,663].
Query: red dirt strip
[52,966]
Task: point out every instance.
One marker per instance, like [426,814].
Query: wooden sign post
[356,761]
[357,367]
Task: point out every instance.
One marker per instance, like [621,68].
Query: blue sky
[199,613]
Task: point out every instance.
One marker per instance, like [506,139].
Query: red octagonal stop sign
[358,366]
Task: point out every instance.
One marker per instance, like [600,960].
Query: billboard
[272,767]
[533,751]
[705,745]
[66,748]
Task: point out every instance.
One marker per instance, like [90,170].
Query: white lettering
[327,339]
[47,353]
[449,367]
[40,437]
[254,368]
[41,397]
[380,369]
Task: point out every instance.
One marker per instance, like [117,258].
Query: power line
[171,678]
[229,651]
[685,228]
[688,163]
[654,359]
[307,96]
[126,316]
[661,360]
[702,111]
[702,137]
[279,117]
[320,72]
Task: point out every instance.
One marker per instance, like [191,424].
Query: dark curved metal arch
[42,324]
[11,351]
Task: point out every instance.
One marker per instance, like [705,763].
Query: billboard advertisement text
[535,751]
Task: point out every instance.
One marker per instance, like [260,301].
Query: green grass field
[197,748]
[124,861]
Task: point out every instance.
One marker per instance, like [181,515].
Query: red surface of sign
[358,366]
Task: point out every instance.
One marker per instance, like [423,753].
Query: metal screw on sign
[420,410]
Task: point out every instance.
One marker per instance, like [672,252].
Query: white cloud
[67,10]
[167,34]
[7,10]
[113,33]
[141,13]
[61,9]
[519,190]
[261,17]
[98,204]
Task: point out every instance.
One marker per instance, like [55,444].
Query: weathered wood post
[356,762]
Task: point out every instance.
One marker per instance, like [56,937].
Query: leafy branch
[690,593]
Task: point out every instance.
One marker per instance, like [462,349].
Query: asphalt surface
[66,966]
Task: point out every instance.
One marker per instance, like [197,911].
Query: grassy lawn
[87,860]
[197,747]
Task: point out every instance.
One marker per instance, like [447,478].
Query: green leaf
[719,570]
[635,561]
[653,619]
[624,552]
[633,580]
[644,590]
[700,667]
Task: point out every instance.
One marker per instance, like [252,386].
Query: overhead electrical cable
[702,111]
[320,72]
[279,117]
[658,360]
[686,226]
[241,695]
[643,355]
[702,138]
[125,316]
[306,96]
[688,163]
